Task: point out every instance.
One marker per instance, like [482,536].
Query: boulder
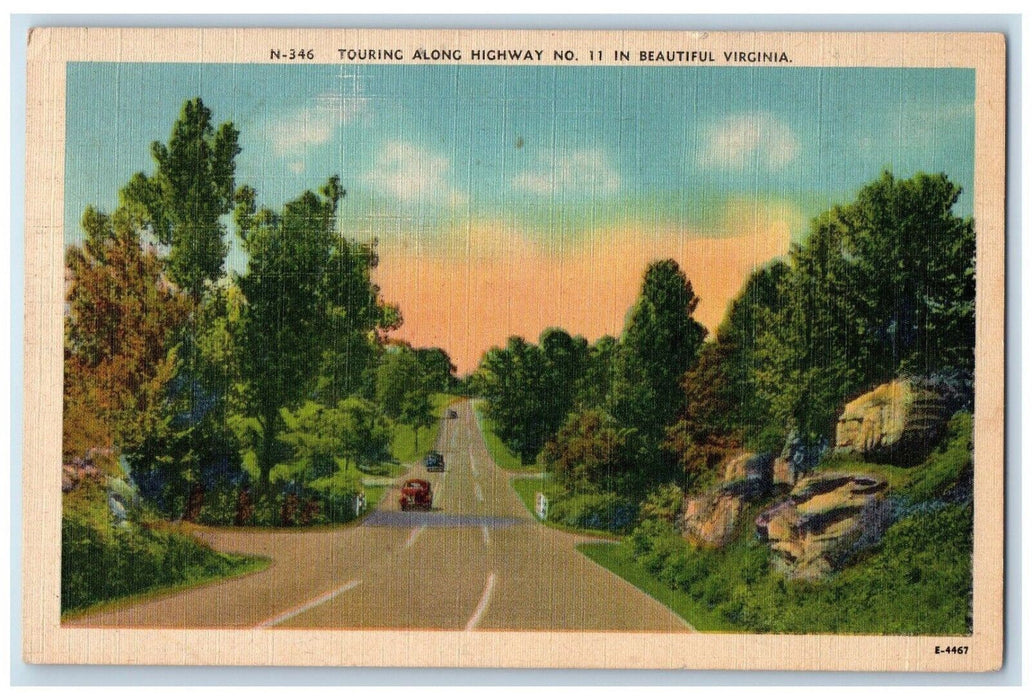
[709,520]
[826,517]
[783,472]
[73,475]
[898,423]
[748,474]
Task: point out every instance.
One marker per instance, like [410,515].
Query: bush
[917,580]
[594,511]
[102,562]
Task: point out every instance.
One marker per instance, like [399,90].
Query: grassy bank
[502,455]
[403,445]
[618,558]
[102,563]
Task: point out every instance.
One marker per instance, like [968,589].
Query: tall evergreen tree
[660,342]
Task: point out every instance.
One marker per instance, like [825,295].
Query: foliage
[510,380]
[327,438]
[660,342]
[191,190]
[663,504]
[917,582]
[101,562]
[593,511]
[301,280]
[590,452]
[883,286]
[122,315]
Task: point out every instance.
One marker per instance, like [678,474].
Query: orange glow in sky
[489,282]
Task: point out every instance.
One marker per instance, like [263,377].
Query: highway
[477,560]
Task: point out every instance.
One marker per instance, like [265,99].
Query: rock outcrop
[748,474]
[709,520]
[826,516]
[898,423]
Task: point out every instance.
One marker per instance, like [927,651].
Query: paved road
[478,560]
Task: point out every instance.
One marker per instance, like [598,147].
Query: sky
[506,200]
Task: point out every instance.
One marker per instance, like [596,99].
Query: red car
[416,493]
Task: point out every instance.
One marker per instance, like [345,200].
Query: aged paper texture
[514,349]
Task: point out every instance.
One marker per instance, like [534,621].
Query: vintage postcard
[657,350]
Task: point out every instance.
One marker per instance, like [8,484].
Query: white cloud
[314,124]
[747,139]
[579,171]
[412,174]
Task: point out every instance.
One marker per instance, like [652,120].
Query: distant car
[434,462]
[416,494]
[452,413]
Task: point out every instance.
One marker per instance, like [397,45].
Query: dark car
[416,494]
[434,462]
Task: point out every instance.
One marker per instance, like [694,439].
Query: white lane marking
[480,494]
[294,612]
[482,606]
[414,536]
[487,535]
[472,464]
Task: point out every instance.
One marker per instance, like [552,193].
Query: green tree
[723,408]
[286,323]
[512,380]
[595,384]
[327,439]
[436,368]
[192,188]
[883,286]
[660,342]
[403,391]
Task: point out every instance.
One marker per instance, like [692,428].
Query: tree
[660,343]
[403,390]
[122,317]
[595,384]
[590,453]
[723,408]
[512,380]
[191,190]
[284,325]
[436,368]
[883,286]
[325,439]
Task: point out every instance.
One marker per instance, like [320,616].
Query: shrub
[101,562]
[594,511]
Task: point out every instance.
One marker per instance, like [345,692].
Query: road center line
[480,494]
[482,606]
[472,464]
[294,612]
[487,535]
[414,536]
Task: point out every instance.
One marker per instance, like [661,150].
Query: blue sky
[557,150]
[510,199]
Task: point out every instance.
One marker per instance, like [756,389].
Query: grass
[618,558]
[102,563]
[502,455]
[527,487]
[241,566]
[403,443]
